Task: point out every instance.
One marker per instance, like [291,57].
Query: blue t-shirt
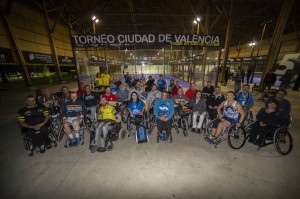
[114,90]
[245,99]
[136,108]
[161,83]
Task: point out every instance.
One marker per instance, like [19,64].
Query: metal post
[76,69]
[19,53]
[53,48]
[164,63]
[227,41]
[275,43]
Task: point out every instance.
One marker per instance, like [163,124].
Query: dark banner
[6,55]
[66,60]
[127,40]
[37,58]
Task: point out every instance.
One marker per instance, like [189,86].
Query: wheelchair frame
[272,138]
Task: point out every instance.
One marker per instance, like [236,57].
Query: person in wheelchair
[180,98]
[109,115]
[153,95]
[164,111]
[73,113]
[245,98]
[267,119]
[136,108]
[283,105]
[33,119]
[198,105]
[233,113]
[90,99]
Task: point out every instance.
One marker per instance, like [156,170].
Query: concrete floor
[188,168]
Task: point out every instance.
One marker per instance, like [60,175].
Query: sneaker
[94,149]
[171,139]
[193,130]
[42,149]
[157,140]
[101,149]
[31,153]
[198,131]
[213,140]
[77,141]
[48,146]
[72,142]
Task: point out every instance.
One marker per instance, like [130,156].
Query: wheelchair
[233,134]
[117,132]
[205,122]
[85,125]
[181,120]
[27,142]
[277,135]
[55,121]
[134,121]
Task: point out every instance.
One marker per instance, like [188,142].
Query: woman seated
[198,105]
[266,119]
[136,107]
[233,113]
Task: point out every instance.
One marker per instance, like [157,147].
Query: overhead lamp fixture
[97,20]
[198,19]
[252,44]
[195,22]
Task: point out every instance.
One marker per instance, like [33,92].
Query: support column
[53,48]
[206,33]
[227,42]
[16,46]
[275,42]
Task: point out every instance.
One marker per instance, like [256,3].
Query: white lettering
[121,39]
[161,38]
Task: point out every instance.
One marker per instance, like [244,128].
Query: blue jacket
[136,108]
[164,107]
[244,100]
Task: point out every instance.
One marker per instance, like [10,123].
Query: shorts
[232,120]
[70,119]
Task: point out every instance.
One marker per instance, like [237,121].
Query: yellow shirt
[98,81]
[108,112]
[105,79]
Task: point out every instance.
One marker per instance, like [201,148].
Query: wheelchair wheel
[152,125]
[185,127]
[27,144]
[236,137]
[122,134]
[124,114]
[110,146]
[89,124]
[283,141]
[53,139]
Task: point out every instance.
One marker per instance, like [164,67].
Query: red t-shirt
[110,97]
[190,93]
[80,91]
[175,90]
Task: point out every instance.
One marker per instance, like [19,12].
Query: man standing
[213,102]
[33,118]
[208,89]
[105,78]
[161,83]
[90,99]
[237,80]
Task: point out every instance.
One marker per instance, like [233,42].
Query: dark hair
[281,90]
[247,85]
[137,100]
[273,101]
[196,94]
[209,81]
[86,86]
[218,87]
[230,92]
[28,96]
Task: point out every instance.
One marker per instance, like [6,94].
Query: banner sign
[6,55]
[127,40]
[248,60]
[95,59]
[66,60]
[37,58]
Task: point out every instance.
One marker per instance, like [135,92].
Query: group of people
[160,99]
